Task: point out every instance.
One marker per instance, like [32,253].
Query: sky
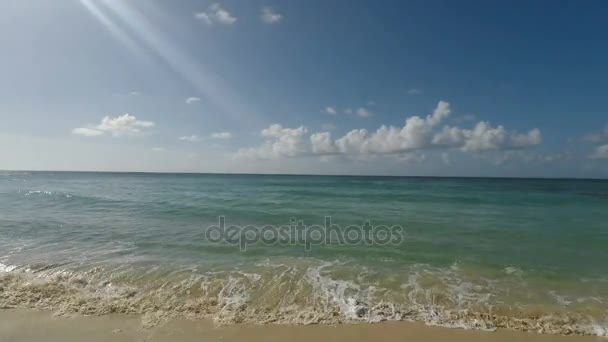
[421,88]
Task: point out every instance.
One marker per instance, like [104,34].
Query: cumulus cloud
[484,137]
[121,125]
[533,137]
[269,16]
[353,141]
[192,99]
[215,14]
[601,152]
[417,134]
[330,110]
[322,143]
[221,135]
[283,142]
[124,124]
[190,138]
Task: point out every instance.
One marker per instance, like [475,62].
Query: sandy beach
[31,326]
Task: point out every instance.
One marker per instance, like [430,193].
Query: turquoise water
[528,254]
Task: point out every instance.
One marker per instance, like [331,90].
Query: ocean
[526,254]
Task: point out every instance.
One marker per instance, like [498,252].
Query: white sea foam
[561,300]
[600,329]
[513,270]
[7,268]
[299,292]
[347,296]
[38,192]
[44,193]
[234,293]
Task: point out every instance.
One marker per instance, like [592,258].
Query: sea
[474,253]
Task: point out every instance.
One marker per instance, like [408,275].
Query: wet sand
[28,326]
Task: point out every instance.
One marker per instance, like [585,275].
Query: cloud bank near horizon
[418,134]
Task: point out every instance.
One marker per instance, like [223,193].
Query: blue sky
[466,88]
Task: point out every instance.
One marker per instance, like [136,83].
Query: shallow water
[528,254]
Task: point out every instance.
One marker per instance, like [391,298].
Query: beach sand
[28,326]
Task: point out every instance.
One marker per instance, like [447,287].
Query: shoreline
[65,294]
[21,325]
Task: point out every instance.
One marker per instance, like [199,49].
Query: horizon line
[301,174]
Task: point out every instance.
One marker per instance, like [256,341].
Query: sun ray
[211,86]
[112,27]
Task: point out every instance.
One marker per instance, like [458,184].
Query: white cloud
[215,14]
[284,142]
[124,124]
[364,113]
[322,143]
[158,149]
[601,152]
[417,134]
[190,138]
[121,125]
[484,137]
[532,138]
[415,91]
[87,132]
[134,93]
[222,135]
[269,16]
[192,99]
[330,110]
[353,141]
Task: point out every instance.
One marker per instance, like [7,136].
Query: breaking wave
[299,292]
